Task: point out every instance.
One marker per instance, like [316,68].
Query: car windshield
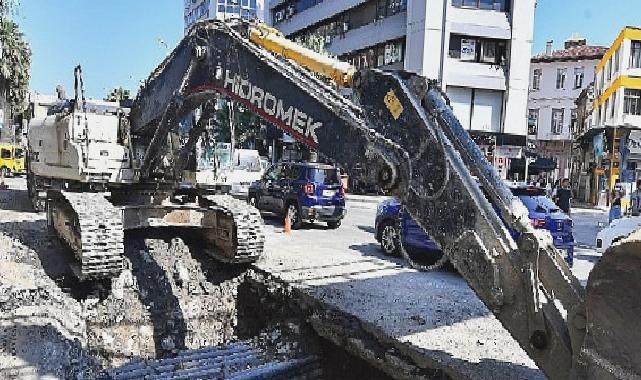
[539,203]
[325,176]
[19,153]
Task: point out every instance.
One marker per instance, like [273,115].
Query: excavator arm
[401,128]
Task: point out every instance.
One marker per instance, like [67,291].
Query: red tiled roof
[573,53]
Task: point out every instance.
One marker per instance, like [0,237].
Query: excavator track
[92,228]
[240,233]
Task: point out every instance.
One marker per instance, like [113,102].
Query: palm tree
[14,65]
[15,60]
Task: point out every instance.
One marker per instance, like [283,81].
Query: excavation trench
[173,300]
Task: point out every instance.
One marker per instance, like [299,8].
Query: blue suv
[543,213]
[304,191]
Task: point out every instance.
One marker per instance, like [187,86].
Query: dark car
[305,192]
[543,213]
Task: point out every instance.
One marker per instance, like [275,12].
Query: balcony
[480,23]
[386,29]
[474,75]
[314,15]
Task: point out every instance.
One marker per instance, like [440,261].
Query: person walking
[615,208]
[563,196]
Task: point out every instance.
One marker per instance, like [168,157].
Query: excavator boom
[401,128]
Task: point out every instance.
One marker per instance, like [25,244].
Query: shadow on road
[15,200]
[368,229]
[277,221]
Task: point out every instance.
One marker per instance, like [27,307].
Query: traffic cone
[288,226]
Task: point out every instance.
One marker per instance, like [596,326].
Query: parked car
[305,192]
[11,159]
[543,214]
[389,216]
[615,231]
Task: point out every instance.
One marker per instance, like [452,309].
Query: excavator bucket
[612,345]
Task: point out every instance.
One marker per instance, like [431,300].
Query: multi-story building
[478,49]
[616,119]
[222,10]
[557,77]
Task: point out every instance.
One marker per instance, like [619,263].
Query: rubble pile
[162,303]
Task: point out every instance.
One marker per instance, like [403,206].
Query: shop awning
[539,166]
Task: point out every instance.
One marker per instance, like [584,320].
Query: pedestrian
[615,207]
[635,198]
[563,196]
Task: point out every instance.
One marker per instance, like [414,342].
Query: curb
[364,199]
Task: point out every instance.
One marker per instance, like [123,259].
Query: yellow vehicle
[11,159]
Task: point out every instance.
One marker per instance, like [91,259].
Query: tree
[16,58]
[117,94]
[246,123]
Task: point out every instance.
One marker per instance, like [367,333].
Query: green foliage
[247,124]
[117,94]
[15,63]
[312,42]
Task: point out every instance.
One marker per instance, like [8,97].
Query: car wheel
[295,220]
[253,200]
[390,239]
[334,224]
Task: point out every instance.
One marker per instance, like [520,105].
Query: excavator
[400,127]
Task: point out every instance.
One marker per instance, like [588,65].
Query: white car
[617,230]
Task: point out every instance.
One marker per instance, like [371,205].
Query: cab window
[5,154]
[19,153]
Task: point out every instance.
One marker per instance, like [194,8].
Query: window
[5,153]
[609,69]
[495,5]
[616,61]
[393,53]
[606,106]
[472,49]
[536,79]
[632,102]
[561,74]
[578,77]
[476,109]
[557,121]
[533,121]
[573,120]
[602,81]
[387,8]
[614,101]
[635,55]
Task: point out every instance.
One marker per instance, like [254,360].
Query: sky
[117,41]
[600,21]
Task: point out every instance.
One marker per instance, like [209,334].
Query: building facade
[478,49]
[616,117]
[196,10]
[557,77]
